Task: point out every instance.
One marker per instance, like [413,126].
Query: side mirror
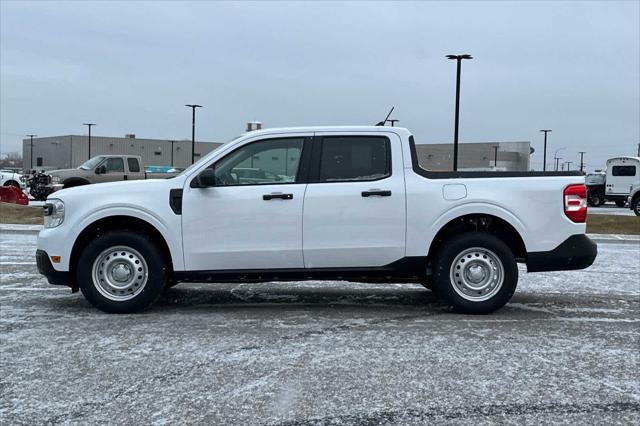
[101,170]
[205,179]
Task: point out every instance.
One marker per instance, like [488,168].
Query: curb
[598,238]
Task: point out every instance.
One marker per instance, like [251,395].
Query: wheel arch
[71,182]
[11,182]
[481,222]
[112,223]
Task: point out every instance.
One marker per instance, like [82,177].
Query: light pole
[558,162]
[459,59]
[582,160]
[193,130]
[544,155]
[31,152]
[555,156]
[89,125]
[569,166]
[495,156]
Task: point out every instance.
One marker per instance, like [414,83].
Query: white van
[622,174]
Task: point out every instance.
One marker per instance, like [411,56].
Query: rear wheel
[121,272]
[595,200]
[475,273]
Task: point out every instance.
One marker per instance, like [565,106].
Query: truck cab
[622,174]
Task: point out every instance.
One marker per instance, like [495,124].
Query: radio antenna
[382,123]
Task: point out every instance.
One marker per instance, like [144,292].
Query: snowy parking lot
[565,350]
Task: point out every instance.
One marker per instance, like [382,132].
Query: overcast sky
[131,66]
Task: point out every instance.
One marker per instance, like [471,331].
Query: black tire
[444,269]
[620,203]
[12,183]
[635,203]
[594,200]
[154,260]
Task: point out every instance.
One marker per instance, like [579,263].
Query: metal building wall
[512,156]
[70,151]
[55,152]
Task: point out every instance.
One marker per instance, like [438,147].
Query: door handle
[268,197]
[376,192]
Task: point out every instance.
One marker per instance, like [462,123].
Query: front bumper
[576,252]
[46,268]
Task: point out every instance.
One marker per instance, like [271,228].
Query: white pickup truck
[335,203]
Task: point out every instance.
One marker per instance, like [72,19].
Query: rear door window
[134,166]
[354,158]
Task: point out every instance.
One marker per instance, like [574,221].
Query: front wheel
[636,206]
[475,273]
[121,272]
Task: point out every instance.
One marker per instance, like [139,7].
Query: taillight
[575,203]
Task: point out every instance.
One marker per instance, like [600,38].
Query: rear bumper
[576,252]
[46,268]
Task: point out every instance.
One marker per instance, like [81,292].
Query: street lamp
[544,155]
[193,130]
[31,152]
[495,156]
[89,125]
[555,156]
[459,59]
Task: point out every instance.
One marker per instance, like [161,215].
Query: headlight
[55,179]
[22,178]
[53,213]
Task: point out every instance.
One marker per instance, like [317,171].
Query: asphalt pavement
[564,351]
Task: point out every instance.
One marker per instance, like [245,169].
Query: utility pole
[89,125]
[193,130]
[495,156]
[31,152]
[555,156]
[459,59]
[582,160]
[544,155]
[569,166]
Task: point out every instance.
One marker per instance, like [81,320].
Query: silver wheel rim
[120,273]
[638,208]
[477,274]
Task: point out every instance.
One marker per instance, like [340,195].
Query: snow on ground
[565,350]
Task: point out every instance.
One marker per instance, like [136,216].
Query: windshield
[91,163]
[595,179]
[194,165]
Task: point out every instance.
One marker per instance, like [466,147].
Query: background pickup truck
[345,203]
[104,168]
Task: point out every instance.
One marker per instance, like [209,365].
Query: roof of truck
[363,129]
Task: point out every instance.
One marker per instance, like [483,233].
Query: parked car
[356,205]
[595,188]
[104,168]
[634,199]
[622,174]
[11,178]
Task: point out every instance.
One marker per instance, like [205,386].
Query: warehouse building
[70,151]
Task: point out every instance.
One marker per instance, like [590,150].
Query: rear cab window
[623,171]
[354,158]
